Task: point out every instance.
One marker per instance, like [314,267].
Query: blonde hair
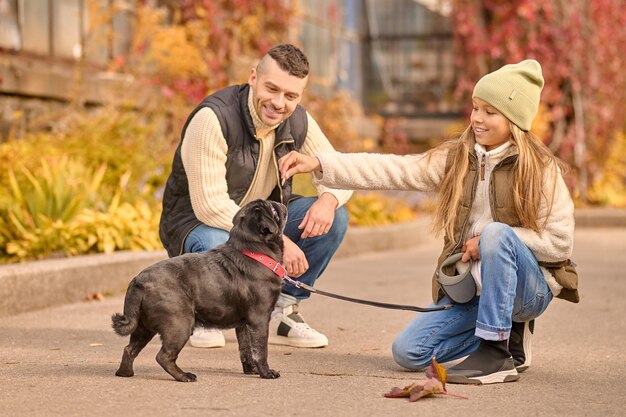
[531,169]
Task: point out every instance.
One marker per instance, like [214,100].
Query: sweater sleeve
[556,241]
[203,154]
[317,142]
[370,171]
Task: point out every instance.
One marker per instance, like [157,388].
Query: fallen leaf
[437,371]
[430,387]
[399,392]
[94,296]
[435,384]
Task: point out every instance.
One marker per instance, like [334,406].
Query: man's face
[275,93]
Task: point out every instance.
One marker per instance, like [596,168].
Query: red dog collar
[270,263]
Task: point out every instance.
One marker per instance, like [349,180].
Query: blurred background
[93,95]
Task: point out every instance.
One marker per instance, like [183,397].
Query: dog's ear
[266,223]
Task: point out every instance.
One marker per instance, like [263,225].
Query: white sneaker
[287,327]
[207,338]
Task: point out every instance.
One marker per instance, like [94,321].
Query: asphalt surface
[61,361]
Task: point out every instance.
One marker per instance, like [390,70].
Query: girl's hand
[471,250]
[295,163]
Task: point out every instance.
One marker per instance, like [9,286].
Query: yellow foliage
[373,209]
[541,123]
[303,186]
[370,209]
[60,209]
[174,55]
[609,189]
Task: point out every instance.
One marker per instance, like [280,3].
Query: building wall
[48,58]
[394,56]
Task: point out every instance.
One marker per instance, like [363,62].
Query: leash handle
[367,302]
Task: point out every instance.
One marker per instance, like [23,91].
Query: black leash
[279,270]
[367,302]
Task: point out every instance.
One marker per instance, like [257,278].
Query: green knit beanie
[514,90]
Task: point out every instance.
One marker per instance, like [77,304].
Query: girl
[502,203]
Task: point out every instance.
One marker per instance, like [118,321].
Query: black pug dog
[221,288]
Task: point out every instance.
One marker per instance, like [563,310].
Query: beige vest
[503,211]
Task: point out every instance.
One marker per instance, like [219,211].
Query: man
[228,156]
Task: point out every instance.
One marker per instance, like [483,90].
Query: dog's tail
[125,324]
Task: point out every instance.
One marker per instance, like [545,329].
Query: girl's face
[490,127]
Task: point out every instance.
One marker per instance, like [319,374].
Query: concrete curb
[41,284]
[600,217]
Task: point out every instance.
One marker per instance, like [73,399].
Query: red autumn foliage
[580,45]
[195,47]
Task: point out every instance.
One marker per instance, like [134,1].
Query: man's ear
[253,77]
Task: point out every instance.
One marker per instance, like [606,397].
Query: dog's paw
[124,374]
[249,369]
[187,377]
[271,374]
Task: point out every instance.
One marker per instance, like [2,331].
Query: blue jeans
[513,289]
[318,250]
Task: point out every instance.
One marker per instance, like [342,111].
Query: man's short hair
[289,58]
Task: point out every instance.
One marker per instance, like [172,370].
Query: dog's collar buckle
[268,262]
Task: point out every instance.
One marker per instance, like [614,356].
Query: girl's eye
[490,113]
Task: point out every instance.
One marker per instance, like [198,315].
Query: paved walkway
[61,361]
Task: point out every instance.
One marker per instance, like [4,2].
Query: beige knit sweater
[360,171]
[204,152]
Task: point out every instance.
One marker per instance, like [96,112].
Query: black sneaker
[491,363]
[520,344]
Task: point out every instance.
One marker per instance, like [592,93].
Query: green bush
[92,186]
[60,209]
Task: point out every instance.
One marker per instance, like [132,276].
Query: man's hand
[470,249]
[294,260]
[319,219]
[295,163]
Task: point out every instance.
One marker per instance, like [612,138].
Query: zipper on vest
[462,233]
[482,167]
[256,171]
[280,188]
[492,190]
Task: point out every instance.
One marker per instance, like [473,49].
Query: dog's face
[259,221]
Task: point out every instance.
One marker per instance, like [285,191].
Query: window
[36,27]
[61,28]
[412,67]
[9,29]
[66,29]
